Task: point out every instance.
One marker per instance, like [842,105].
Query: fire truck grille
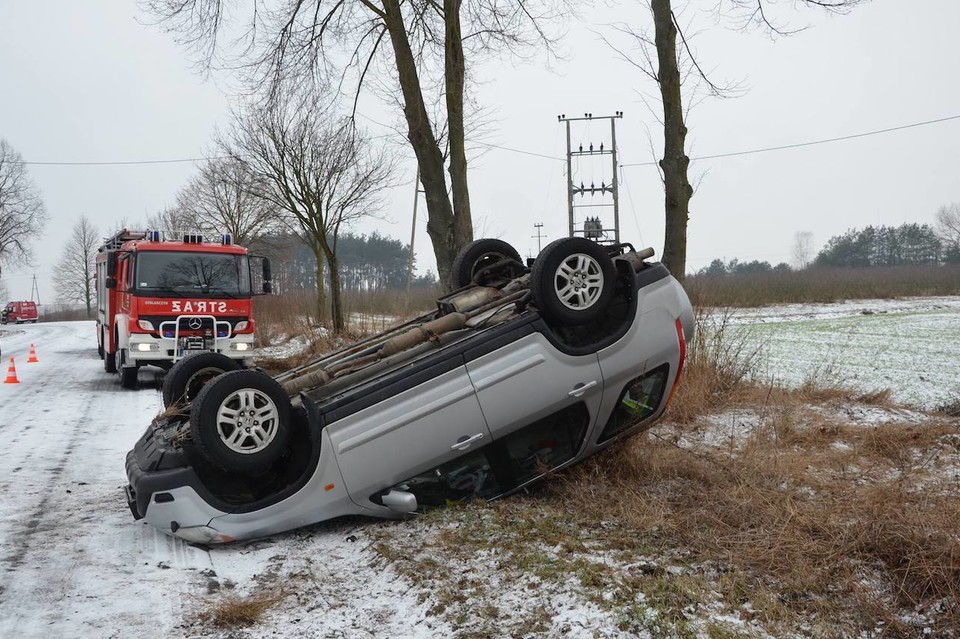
[189,324]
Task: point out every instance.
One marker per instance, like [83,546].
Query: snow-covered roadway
[72,562]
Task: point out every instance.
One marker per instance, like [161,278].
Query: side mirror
[112,267]
[400,502]
[111,282]
[266,276]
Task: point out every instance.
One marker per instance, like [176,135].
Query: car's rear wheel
[189,375]
[572,281]
[240,421]
[478,255]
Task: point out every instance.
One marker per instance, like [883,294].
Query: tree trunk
[440,214]
[336,294]
[676,186]
[321,307]
[454,73]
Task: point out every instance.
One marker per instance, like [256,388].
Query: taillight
[683,355]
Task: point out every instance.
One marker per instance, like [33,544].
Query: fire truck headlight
[145,325]
[241,326]
[241,346]
[146,347]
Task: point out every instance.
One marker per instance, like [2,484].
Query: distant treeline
[904,245]
[368,263]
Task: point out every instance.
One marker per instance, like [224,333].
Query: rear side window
[638,401]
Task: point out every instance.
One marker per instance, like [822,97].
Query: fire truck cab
[159,299]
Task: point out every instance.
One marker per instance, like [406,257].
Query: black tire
[100,350]
[478,255]
[572,281]
[231,443]
[128,376]
[183,383]
[109,361]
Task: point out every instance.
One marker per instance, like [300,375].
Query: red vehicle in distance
[19,313]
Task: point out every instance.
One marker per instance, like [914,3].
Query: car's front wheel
[240,421]
[572,281]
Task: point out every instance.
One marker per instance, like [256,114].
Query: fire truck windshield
[169,273]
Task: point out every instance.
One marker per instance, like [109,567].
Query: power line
[813,143]
[540,155]
[124,162]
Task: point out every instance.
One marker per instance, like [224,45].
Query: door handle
[582,388]
[464,442]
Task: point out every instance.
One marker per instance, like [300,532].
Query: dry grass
[822,285]
[235,611]
[719,361]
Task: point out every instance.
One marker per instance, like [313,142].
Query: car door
[418,427]
[529,379]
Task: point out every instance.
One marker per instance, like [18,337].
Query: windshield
[192,274]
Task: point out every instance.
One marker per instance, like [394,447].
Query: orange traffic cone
[33,355]
[11,374]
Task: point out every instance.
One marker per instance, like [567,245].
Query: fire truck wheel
[128,374]
[183,382]
[572,281]
[109,361]
[478,255]
[240,421]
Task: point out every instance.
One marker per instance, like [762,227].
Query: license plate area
[192,343]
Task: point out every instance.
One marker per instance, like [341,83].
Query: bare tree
[75,271]
[318,169]
[802,249]
[173,221]
[22,213]
[223,198]
[948,224]
[676,62]
[428,45]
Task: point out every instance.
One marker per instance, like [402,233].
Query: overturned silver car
[519,372]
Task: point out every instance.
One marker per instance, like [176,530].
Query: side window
[546,443]
[465,477]
[639,400]
[499,467]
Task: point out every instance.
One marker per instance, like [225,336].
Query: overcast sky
[90,82]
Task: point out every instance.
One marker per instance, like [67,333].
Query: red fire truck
[160,299]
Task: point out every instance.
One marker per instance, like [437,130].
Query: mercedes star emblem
[195,323]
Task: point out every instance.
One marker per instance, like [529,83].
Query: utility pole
[538,226]
[413,232]
[593,228]
[35,289]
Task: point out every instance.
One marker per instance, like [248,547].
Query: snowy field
[73,562]
[911,346]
